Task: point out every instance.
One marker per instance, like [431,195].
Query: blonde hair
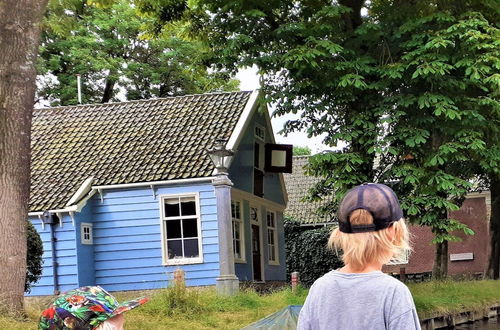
[361,249]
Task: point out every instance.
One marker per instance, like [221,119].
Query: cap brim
[129,305]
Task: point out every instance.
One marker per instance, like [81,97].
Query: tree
[114,54]
[411,88]
[301,151]
[19,36]
[34,256]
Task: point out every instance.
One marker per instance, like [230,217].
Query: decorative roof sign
[278,158]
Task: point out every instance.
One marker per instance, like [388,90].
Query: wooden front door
[256,260]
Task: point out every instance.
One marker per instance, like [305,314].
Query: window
[400,259]
[272,238]
[238,235]
[181,232]
[258,174]
[260,133]
[86,233]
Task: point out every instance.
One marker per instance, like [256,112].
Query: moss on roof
[126,142]
[297,186]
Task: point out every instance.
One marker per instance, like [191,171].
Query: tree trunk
[440,269]
[19,37]
[108,89]
[494,257]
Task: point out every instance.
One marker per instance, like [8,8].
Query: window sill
[273,263]
[178,262]
[394,263]
[240,261]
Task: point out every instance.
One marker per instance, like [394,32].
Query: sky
[249,80]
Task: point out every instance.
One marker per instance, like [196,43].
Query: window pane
[173,229]
[174,249]
[237,211]
[191,248]
[172,207]
[188,206]
[256,155]
[270,236]
[190,227]
[237,249]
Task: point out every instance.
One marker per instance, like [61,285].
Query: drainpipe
[52,220]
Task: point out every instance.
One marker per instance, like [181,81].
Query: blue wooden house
[123,193]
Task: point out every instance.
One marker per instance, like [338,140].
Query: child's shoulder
[377,277]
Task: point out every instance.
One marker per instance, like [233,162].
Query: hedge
[307,252]
[34,256]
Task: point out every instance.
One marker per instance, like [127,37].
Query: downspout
[53,240]
[52,220]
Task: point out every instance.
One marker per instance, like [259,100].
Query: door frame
[261,242]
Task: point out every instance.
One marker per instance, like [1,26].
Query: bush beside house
[34,256]
[306,251]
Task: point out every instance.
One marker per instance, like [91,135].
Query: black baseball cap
[376,198]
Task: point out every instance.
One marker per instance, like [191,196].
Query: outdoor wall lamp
[220,156]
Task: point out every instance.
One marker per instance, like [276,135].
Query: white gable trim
[94,189]
[243,122]
[280,175]
[240,194]
[81,192]
[241,127]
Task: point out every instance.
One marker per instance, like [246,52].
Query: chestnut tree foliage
[411,87]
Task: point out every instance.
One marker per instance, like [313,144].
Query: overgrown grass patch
[447,297]
[202,308]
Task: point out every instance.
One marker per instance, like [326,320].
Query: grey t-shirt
[374,301]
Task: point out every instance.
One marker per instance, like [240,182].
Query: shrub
[307,252]
[34,256]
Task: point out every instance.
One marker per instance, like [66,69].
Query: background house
[466,257]
[130,189]
[297,186]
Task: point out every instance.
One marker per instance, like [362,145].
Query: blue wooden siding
[276,272]
[127,251]
[127,239]
[241,170]
[66,258]
[244,271]
[84,252]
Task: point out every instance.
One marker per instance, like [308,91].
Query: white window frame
[180,261]
[274,230]
[401,261]
[239,222]
[263,130]
[84,240]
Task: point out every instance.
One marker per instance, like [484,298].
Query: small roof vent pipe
[79,86]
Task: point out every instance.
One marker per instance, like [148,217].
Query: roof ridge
[142,100]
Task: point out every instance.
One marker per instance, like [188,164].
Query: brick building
[468,257]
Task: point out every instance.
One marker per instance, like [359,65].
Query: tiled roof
[297,185]
[126,142]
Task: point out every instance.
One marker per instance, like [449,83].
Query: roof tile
[126,142]
[297,186]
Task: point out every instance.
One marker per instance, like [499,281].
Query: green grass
[202,308]
[448,297]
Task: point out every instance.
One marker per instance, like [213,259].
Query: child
[359,296]
[87,308]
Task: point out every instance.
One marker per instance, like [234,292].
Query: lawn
[201,308]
